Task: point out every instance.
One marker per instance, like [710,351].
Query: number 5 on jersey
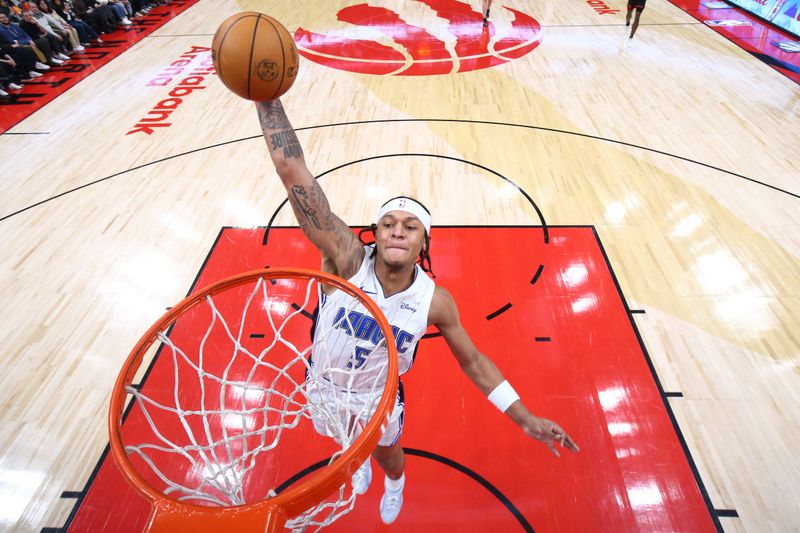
[359,358]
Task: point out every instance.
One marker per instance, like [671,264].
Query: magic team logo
[444,37]
[364,327]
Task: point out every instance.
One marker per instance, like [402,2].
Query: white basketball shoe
[391,503]
[362,478]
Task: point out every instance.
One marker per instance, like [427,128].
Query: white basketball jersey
[346,336]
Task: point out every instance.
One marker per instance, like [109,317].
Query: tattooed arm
[342,253]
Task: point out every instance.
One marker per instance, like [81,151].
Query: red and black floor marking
[424,52]
[469,468]
[19,105]
[759,38]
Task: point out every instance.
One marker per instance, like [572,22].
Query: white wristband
[503,396]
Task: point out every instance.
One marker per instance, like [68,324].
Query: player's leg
[487,4]
[388,453]
[336,424]
[392,459]
[636,20]
[362,477]
[629,14]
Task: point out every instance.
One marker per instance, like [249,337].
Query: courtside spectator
[14,36]
[86,34]
[42,38]
[99,17]
[51,22]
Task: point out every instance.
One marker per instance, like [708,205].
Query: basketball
[255,56]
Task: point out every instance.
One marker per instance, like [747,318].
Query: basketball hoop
[202,438]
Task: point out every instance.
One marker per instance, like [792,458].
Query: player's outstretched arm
[310,205]
[488,378]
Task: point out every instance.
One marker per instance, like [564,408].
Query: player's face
[399,238]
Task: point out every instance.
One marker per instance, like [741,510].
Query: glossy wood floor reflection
[680,149]
[567,341]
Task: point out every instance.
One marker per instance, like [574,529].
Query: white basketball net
[215,433]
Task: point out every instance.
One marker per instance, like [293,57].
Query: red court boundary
[756,39]
[570,346]
[37,93]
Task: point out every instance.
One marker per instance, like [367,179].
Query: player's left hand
[549,432]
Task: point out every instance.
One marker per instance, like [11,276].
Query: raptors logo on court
[370,39]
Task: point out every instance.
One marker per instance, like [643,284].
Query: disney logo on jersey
[364,327]
[407,307]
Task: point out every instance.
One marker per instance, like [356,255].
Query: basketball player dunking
[390,271]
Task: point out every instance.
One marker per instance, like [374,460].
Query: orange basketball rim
[268,515]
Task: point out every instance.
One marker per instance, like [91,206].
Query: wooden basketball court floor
[680,151]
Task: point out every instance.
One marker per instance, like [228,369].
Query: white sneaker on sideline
[14,86]
[55,61]
[63,57]
[126,22]
[3,93]
[41,66]
[362,478]
[79,48]
[391,503]
[34,74]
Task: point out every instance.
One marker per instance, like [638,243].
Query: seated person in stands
[60,28]
[9,75]
[62,8]
[12,35]
[21,62]
[42,38]
[120,13]
[99,17]
[10,10]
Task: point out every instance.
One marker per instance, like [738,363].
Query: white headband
[409,206]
